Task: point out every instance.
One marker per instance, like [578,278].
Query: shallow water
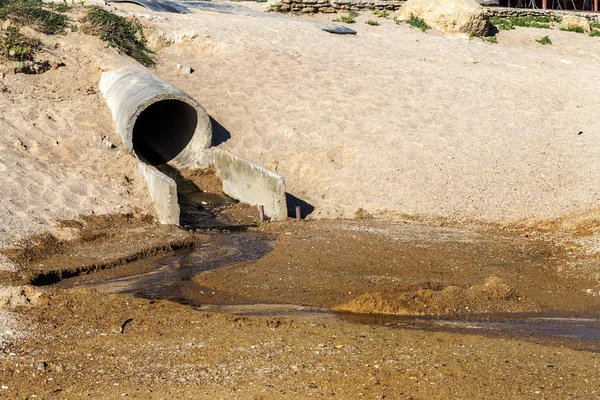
[170,277]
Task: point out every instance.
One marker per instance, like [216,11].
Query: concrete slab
[163,191]
[250,183]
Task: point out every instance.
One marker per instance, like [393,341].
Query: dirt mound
[494,295]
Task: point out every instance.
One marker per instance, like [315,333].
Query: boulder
[572,21]
[451,16]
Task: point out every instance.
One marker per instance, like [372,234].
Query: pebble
[184,69]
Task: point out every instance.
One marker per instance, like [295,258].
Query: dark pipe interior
[163,130]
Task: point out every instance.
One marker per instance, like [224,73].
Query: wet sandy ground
[83,343]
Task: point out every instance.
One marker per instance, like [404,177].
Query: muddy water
[169,277]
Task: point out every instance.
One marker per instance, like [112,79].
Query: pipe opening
[163,130]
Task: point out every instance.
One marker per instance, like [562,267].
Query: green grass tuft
[43,17]
[595,33]
[381,13]
[125,35]
[576,29]
[545,40]
[418,23]
[506,24]
[347,19]
[490,39]
[371,22]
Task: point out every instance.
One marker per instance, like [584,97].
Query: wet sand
[83,343]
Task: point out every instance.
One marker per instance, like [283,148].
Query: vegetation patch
[44,17]
[577,29]
[371,22]
[506,24]
[125,35]
[347,19]
[417,23]
[490,39]
[381,13]
[16,46]
[545,40]
[595,33]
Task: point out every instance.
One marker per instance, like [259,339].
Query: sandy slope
[398,121]
[55,159]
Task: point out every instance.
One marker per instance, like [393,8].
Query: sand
[392,121]
[396,121]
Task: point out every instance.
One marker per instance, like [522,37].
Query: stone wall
[505,12]
[163,191]
[332,6]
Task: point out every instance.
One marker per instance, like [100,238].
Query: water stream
[170,277]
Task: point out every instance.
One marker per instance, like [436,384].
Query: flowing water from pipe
[170,277]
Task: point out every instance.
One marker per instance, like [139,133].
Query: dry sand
[396,121]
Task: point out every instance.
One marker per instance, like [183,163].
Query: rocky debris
[451,16]
[573,22]
[13,296]
[184,69]
[107,143]
[36,67]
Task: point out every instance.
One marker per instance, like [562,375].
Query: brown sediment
[407,268]
[98,242]
[206,179]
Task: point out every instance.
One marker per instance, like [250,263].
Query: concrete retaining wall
[250,183]
[163,191]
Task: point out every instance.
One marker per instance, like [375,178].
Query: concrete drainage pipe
[156,120]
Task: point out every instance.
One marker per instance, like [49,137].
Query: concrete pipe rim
[163,126]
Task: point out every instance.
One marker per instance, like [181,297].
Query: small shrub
[576,29]
[371,22]
[381,13]
[418,23]
[595,33]
[545,40]
[490,39]
[347,19]
[43,17]
[125,35]
[16,46]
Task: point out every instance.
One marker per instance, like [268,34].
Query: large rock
[572,22]
[452,16]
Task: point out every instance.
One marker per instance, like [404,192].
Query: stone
[572,21]
[185,69]
[450,16]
